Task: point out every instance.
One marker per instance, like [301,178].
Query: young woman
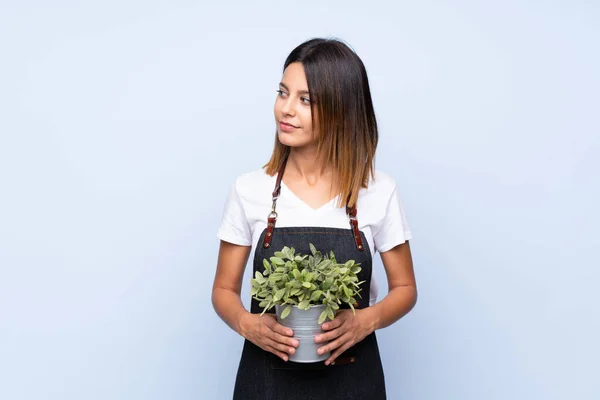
[320,186]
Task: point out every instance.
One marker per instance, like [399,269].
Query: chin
[286,139]
[292,140]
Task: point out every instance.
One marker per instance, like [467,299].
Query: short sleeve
[393,229]
[234,224]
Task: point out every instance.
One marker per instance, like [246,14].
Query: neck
[302,163]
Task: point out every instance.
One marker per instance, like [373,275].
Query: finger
[277,327]
[278,353]
[286,342]
[336,323]
[339,342]
[284,339]
[331,335]
[281,347]
[337,353]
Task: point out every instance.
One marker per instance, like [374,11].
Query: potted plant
[305,291]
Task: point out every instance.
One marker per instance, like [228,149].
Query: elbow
[415,296]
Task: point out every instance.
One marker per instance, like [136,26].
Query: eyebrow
[286,88]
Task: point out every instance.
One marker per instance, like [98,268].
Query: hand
[344,331]
[265,332]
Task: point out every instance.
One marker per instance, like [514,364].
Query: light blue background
[123,124]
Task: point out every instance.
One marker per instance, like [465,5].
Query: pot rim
[296,306]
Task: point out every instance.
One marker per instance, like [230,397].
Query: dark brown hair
[341,98]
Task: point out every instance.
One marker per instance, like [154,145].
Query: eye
[281,93]
[305,100]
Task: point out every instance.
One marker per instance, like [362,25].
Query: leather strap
[272,219]
[351,211]
[344,360]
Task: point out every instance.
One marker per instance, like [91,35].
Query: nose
[287,107]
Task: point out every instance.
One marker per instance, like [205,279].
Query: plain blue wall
[123,124]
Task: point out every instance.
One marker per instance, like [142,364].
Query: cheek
[307,120]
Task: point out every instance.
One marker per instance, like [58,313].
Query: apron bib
[357,373]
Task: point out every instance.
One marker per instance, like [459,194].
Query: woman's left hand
[344,331]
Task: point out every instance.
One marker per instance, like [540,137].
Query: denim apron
[357,373]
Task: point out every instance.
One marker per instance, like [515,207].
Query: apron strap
[351,211]
[272,219]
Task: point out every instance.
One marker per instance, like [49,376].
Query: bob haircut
[345,118]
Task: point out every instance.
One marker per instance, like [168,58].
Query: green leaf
[253,291]
[322,317]
[309,277]
[330,313]
[304,304]
[306,285]
[259,277]
[297,274]
[276,277]
[286,311]
[267,266]
[316,295]
[279,294]
[347,291]
[277,261]
[318,258]
[313,249]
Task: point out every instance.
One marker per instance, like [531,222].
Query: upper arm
[399,266]
[231,264]
[392,228]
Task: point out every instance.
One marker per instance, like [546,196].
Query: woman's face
[292,108]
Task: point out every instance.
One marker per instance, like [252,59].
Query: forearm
[398,302]
[229,307]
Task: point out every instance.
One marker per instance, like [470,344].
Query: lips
[286,127]
[288,124]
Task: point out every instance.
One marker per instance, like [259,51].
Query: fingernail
[317,339]
[292,350]
[296,343]
[325,326]
[320,351]
[289,333]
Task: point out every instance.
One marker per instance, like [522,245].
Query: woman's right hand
[268,334]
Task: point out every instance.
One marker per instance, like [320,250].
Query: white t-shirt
[380,213]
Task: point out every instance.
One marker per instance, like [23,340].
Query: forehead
[294,77]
